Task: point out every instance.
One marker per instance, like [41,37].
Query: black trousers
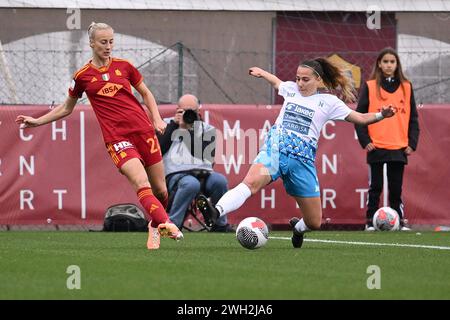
[395,182]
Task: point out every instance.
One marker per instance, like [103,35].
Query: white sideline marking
[83,166]
[370,243]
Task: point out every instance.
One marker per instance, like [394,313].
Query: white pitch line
[83,165]
[370,243]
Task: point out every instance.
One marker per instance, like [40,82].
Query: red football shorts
[144,146]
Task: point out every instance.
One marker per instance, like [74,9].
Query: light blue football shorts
[299,177]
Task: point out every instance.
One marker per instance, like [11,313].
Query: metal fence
[36,76]
[33,76]
[428,71]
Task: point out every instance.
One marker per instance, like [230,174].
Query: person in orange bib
[129,135]
[391,141]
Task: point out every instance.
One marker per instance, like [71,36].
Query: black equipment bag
[125,217]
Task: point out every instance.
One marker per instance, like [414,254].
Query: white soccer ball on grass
[252,233]
[386,219]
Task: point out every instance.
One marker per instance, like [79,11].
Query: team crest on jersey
[118,73]
[109,89]
[105,76]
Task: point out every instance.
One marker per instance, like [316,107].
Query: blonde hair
[94,26]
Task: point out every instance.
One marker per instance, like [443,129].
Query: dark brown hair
[332,76]
[377,73]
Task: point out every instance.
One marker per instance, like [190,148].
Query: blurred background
[206,47]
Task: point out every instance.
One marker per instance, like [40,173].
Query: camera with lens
[189,116]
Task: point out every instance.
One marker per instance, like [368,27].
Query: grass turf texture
[214,266]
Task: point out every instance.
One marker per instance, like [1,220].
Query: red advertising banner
[62,171]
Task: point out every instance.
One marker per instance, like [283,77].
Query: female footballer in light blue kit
[290,147]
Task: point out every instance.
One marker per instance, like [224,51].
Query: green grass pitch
[33,265]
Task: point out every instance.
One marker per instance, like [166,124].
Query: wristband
[379,116]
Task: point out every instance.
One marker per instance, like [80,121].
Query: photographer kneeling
[188,148]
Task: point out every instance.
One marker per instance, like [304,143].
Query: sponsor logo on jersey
[93,79]
[397,110]
[298,118]
[122,145]
[109,89]
[300,110]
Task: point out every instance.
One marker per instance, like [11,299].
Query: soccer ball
[252,233]
[386,219]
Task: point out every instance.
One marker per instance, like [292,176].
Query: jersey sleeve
[76,88]
[286,87]
[339,110]
[135,76]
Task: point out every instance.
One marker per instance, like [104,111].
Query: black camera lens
[189,116]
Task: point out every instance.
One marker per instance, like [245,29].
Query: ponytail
[332,76]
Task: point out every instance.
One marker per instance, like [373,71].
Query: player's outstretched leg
[297,236]
[137,175]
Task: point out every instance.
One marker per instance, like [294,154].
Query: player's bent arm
[364,119]
[260,73]
[60,111]
[149,101]
[272,79]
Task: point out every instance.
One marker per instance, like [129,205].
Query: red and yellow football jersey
[109,90]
